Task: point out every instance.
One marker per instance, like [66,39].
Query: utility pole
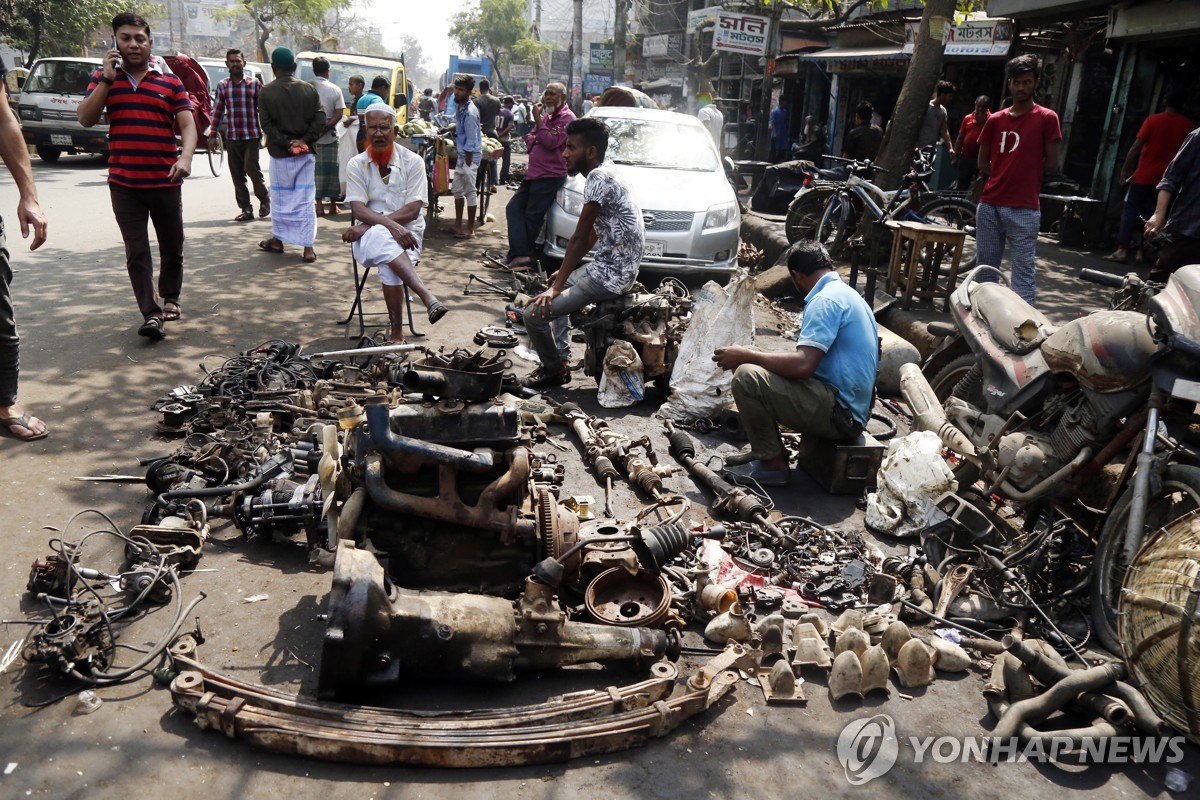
[762,143]
[620,33]
[576,56]
[537,37]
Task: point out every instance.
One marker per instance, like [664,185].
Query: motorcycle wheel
[1179,494]
[832,230]
[950,376]
[804,215]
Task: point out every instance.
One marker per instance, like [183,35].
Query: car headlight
[29,112]
[570,200]
[720,216]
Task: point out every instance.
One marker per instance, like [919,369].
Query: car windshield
[62,77]
[216,74]
[659,143]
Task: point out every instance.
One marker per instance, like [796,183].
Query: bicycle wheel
[431,208]
[804,214]
[216,155]
[482,185]
[953,213]
[833,228]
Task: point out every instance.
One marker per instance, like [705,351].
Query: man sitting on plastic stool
[386,189]
[824,388]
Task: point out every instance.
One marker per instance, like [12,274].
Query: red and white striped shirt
[141,127]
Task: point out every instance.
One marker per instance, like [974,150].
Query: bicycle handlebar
[1102,278]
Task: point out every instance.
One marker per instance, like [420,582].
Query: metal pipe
[928,413]
[1055,698]
[1141,483]
[945,621]
[1145,719]
[1049,673]
[1076,737]
[370,351]
[384,440]
[1013,493]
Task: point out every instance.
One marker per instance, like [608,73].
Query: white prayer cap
[380,108]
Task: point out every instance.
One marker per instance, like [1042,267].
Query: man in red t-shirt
[966,146]
[1016,146]
[145,166]
[1157,142]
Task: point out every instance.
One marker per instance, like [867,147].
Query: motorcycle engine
[653,322]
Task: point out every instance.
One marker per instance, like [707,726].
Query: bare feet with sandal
[22,426]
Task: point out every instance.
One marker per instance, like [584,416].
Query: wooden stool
[917,252]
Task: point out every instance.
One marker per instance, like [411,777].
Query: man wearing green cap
[292,119]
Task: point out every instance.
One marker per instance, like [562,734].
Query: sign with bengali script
[747,34]
[973,37]
[600,55]
[520,71]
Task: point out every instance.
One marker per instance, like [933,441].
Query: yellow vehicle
[343,65]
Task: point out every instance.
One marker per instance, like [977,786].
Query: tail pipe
[1055,698]
[928,413]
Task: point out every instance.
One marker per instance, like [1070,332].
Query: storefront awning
[893,52]
[1024,9]
[1158,19]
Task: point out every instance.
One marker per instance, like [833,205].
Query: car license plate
[61,138]
[654,249]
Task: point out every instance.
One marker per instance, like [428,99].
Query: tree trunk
[923,73]
[620,32]
[762,144]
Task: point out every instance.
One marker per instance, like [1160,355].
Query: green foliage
[491,28]
[57,27]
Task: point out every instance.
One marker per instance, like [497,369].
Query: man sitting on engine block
[824,388]
[610,226]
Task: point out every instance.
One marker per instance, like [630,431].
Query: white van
[51,93]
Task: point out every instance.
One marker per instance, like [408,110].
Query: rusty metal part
[735,656]
[286,732]
[617,598]
[379,634]
[952,584]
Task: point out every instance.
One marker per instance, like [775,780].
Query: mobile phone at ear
[118,62]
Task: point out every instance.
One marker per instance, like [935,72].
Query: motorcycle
[781,183]
[1037,412]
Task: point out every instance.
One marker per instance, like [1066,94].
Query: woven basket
[1159,626]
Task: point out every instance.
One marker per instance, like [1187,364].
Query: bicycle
[485,187]
[858,196]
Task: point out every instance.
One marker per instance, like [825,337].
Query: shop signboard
[742,33]
[519,72]
[655,46]
[597,81]
[973,37]
[560,64]
[600,56]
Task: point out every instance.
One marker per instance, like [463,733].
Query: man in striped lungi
[292,119]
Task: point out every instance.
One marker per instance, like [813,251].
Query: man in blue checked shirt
[237,97]
[468,138]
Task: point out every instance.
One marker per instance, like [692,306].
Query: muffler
[928,413]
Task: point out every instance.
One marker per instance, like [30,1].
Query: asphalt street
[87,373]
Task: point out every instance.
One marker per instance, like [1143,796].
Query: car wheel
[48,154]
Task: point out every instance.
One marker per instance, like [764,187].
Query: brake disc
[495,336]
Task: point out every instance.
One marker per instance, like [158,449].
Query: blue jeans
[1139,202]
[1019,227]
[548,332]
[527,211]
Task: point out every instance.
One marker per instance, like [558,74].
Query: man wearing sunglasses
[386,189]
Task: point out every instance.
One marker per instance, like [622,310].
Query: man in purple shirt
[545,175]
[237,99]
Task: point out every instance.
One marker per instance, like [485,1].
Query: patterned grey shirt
[620,234]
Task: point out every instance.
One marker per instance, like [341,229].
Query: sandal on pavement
[754,472]
[153,329]
[310,258]
[1119,256]
[464,235]
[172,311]
[436,312]
[245,216]
[265,245]
[24,421]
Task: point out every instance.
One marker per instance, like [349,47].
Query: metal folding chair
[356,308]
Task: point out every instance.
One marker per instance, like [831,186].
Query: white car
[669,163]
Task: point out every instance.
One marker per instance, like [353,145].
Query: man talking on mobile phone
[146,167]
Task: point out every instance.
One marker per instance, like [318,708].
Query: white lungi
[378,248]
[463,184]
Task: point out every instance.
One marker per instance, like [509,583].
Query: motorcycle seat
[1014,324]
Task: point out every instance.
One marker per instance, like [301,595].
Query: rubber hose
[1145,719]
[1050,673]
[1056,697]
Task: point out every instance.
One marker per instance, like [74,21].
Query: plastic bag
[441,169]
[913,475]
[720,317]
[622,383]
[347,149]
